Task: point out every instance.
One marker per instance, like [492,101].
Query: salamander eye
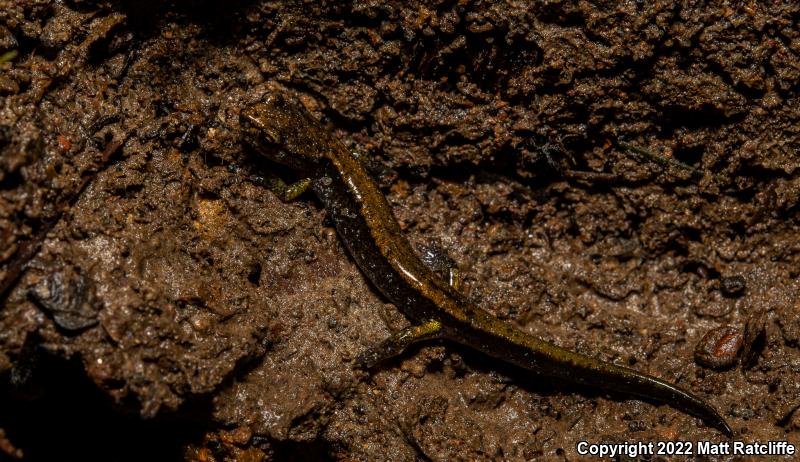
[259,126]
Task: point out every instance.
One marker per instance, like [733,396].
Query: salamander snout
[280,128]
[265,122]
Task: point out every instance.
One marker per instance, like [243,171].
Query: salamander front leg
[290,192]
[398,342]
[286,192]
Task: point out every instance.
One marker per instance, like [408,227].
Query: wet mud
[619,178]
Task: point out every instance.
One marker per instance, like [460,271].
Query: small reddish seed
[64,143]
[719,348]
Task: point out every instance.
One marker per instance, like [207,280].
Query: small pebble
[719,348]
[240,435]
[67,295]
[732,286]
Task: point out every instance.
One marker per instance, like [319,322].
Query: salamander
[279,127]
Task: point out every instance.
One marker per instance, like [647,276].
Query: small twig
[591,177]
[664,161]
[28,249]
[24,254]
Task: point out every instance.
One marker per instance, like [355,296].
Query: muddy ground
[620,178]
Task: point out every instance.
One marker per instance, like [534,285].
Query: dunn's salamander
[281,129]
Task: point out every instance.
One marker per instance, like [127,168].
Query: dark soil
[621,179]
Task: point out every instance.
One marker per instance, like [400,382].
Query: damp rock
[68,297]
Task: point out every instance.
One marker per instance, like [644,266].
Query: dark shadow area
[290,451]
[59,414]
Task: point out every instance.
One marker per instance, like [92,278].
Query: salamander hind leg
[398,342]
[454,278]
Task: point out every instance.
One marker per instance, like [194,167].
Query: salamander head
[281,129]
